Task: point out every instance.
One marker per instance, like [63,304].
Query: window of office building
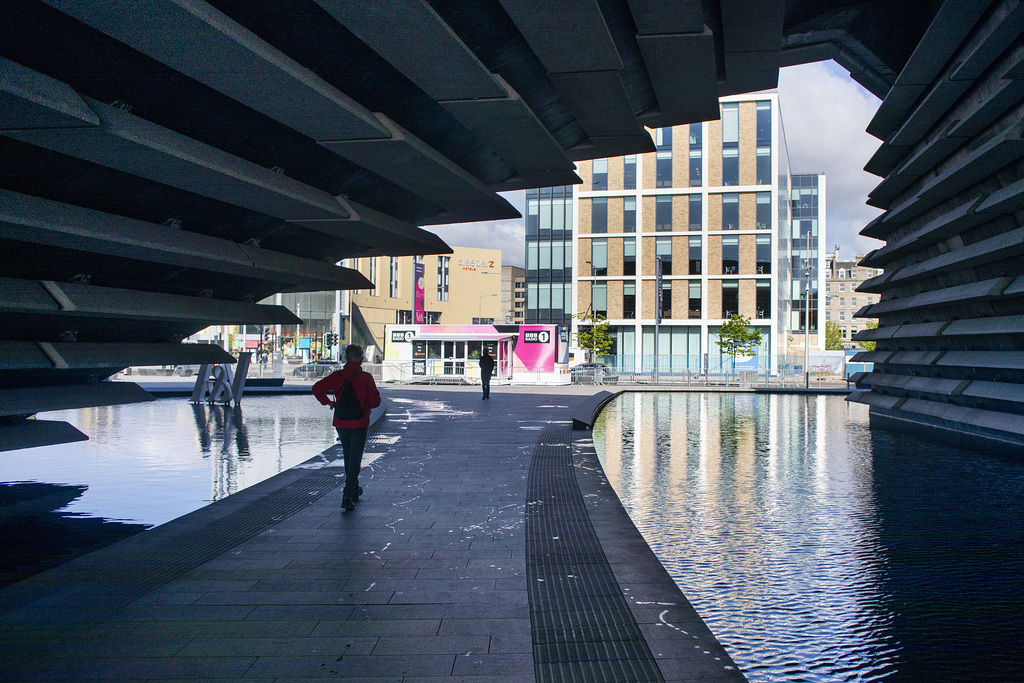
[730,144]
[764,165]
[764,211]
[629,172]
[629,214]
[629,256]
[696,155]
[544,260]
[663,157]
[731,166]
[663,214]
[730,299]
[532,259]
[730,211]
[443,267]
[696,163]
[557,296]
[373,276]
[696,218]
[764,122]
[532,217]
[695,305]
[601,298]
[558,224]
[599,215]
[557,259]
[764,255]
[663,250]
[695,256]
[629,300]
[764,299]
[599,255]
[600,177]
[730,122]
[393,289]
[730,255]
[666,300]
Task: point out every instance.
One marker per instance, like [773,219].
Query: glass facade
[549,221]
[804,253]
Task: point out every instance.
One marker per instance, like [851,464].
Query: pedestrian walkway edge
[683,646]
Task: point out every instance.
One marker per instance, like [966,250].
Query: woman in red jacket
[355,394]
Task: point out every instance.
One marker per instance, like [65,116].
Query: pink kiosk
[523,354]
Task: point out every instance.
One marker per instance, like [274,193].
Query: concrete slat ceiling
[275,138]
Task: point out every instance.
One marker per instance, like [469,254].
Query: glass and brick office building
[714,203]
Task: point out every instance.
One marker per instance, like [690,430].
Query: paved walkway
[487,547]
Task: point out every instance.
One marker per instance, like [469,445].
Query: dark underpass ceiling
[166,164]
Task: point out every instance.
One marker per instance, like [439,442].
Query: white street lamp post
[480,308]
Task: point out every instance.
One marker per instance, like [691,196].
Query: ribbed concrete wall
[950,341]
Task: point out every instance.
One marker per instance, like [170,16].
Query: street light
[480,308]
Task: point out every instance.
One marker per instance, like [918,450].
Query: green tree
[736,336]
[593,335]
[869,345]
[833,336]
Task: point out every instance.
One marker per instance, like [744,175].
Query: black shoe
[359,492]
[347,505]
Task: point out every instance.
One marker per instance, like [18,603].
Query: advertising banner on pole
[418,316]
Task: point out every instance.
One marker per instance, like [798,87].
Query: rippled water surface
[817,549]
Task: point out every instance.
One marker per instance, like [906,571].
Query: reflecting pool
[817,549]
[144,464]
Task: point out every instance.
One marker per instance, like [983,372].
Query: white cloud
[507,235]
[825,114]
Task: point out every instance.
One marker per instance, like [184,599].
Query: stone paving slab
[427,580]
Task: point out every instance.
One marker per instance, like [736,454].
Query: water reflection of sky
[817,549]
[153,462]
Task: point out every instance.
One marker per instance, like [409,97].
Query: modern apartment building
[464,287]
[513,295]
[842,278]
[713,203]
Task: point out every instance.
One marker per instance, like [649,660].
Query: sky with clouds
[824,114]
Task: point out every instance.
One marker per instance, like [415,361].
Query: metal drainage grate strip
[582,627]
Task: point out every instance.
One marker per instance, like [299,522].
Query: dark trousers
[485,380]
[353,441]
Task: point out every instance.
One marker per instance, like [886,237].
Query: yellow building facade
[459,289]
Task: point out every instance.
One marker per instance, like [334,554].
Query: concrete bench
[586,411]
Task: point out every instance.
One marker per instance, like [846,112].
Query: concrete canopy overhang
[257,144]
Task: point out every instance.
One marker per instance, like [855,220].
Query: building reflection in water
[222,434]
[794,530]
[152,462]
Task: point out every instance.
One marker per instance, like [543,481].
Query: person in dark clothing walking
[351,425]
[486,368]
